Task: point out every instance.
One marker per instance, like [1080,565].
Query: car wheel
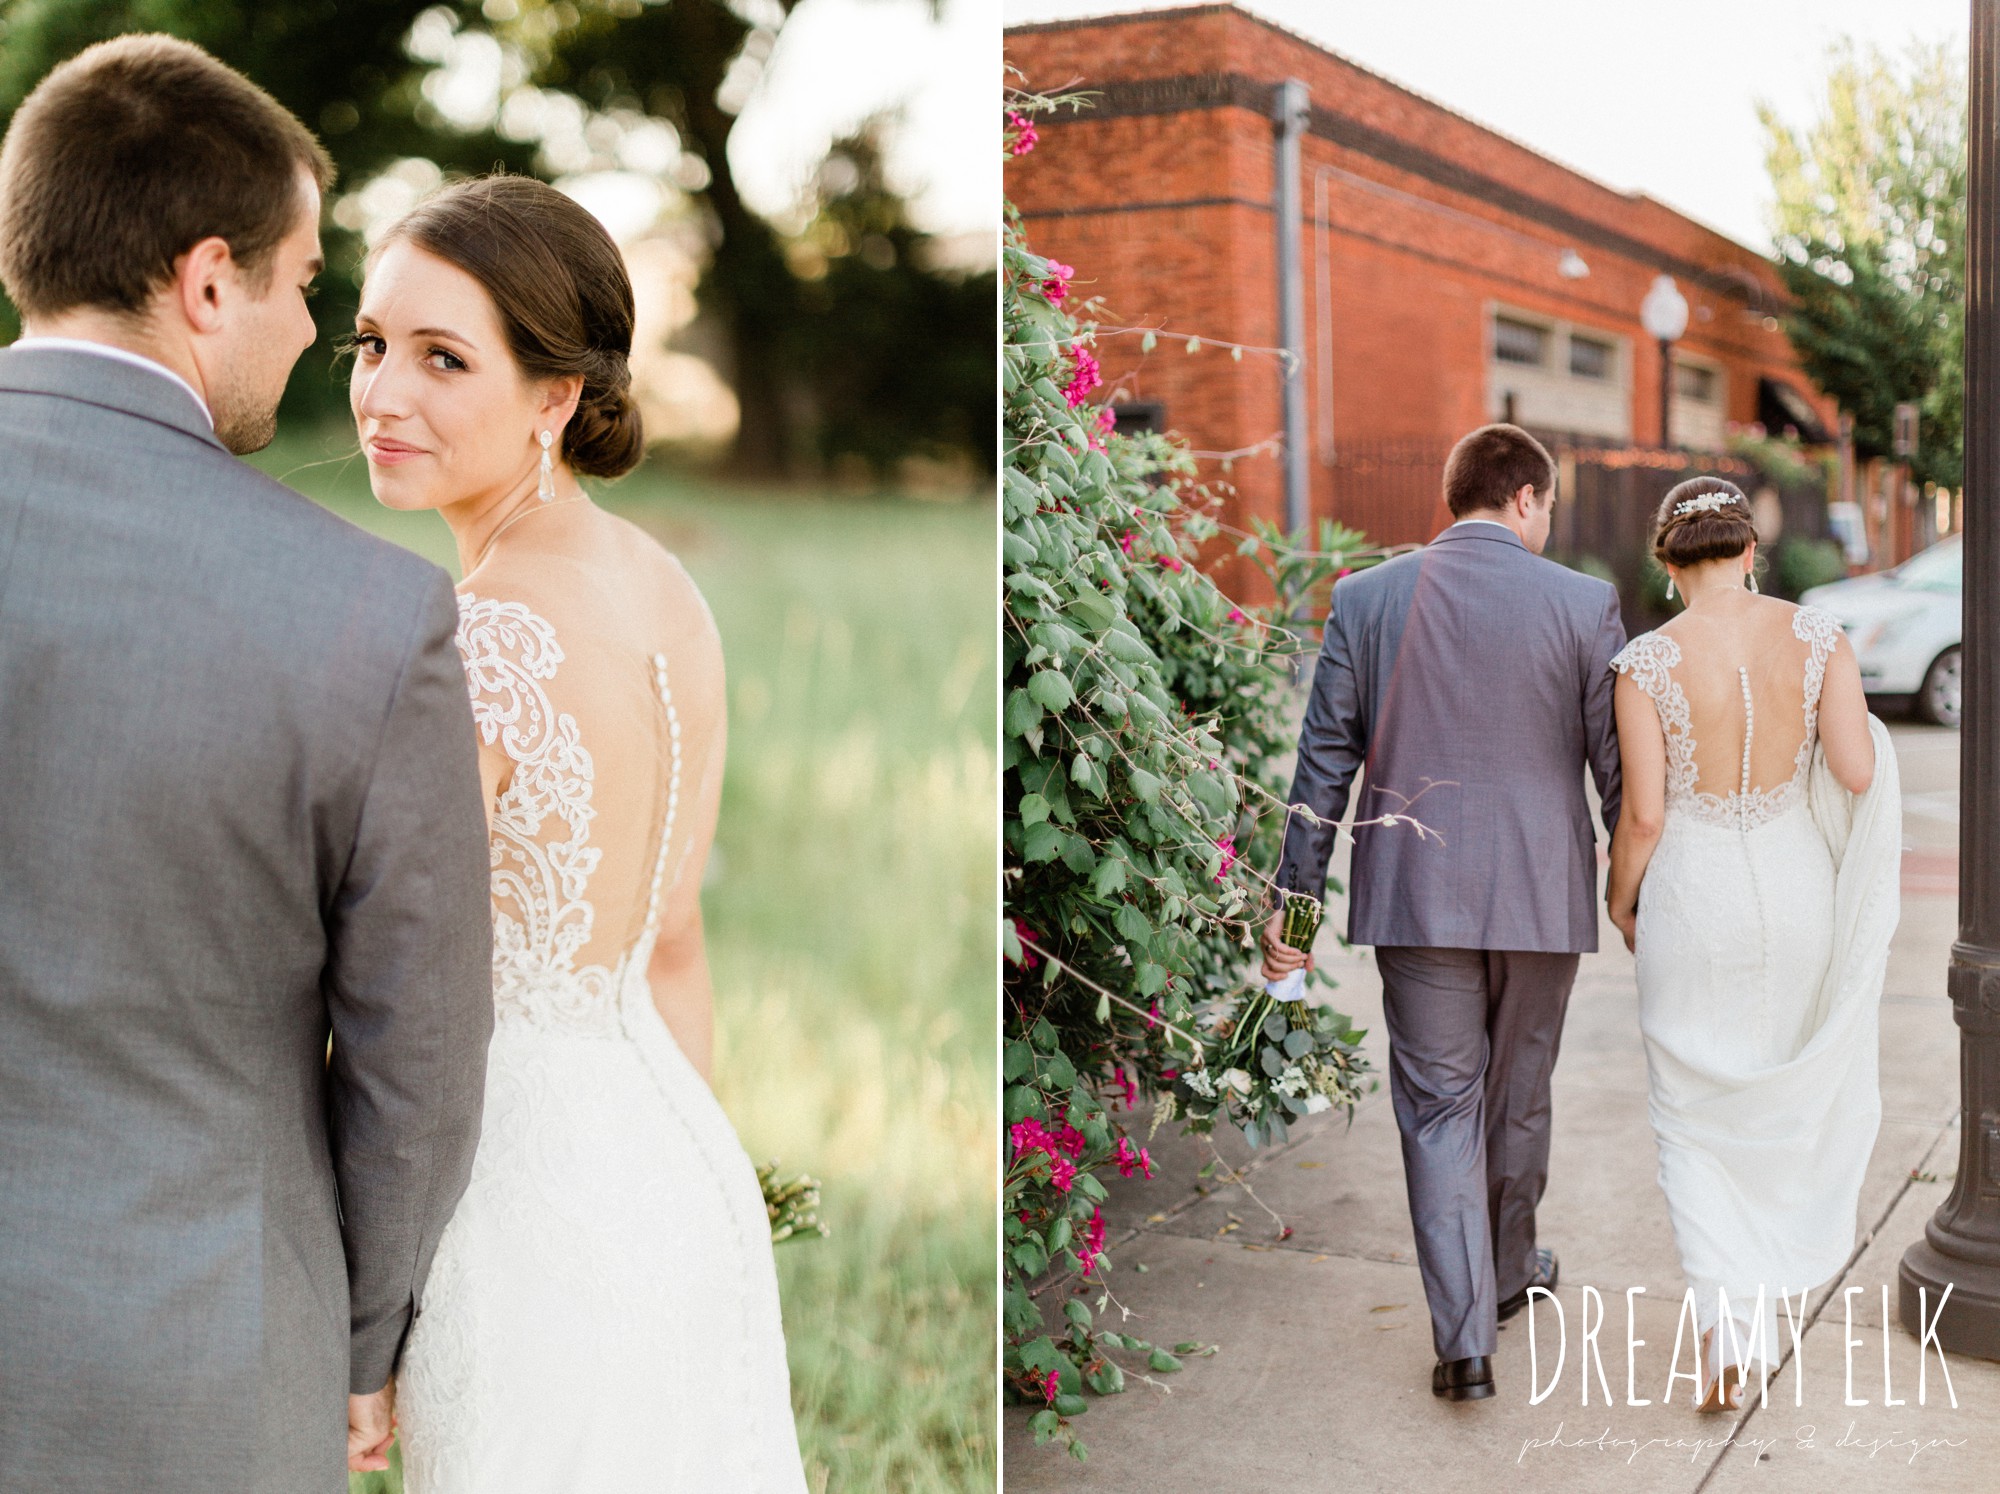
[1938,701]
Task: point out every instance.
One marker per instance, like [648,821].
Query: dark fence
[1606,498]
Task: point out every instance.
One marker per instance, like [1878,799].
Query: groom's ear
[202,277]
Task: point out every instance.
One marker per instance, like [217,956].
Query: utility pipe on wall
[1291,111]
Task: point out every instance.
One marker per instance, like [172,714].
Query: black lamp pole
[1961,1244]
[1666,389]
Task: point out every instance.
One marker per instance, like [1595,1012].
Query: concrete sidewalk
[1322,1375]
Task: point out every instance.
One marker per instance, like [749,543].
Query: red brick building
[1451,275]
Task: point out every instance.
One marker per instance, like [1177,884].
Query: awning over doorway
[1780,405]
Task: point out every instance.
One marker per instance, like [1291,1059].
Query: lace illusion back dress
[602,1314]
[1758,985]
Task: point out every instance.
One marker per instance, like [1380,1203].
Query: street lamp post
[1664,315]
[1961,1243]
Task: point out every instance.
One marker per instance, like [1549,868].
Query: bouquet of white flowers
[1272,1056]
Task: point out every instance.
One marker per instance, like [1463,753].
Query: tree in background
[575,85]
[671,61]
[863,285]
[1870,230]
[846,339]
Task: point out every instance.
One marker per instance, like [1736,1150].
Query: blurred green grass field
[850,924]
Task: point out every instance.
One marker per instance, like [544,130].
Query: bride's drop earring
[1752,575]
[1670,588]
[546,489]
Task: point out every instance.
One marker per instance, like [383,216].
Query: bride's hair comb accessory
[1706,503]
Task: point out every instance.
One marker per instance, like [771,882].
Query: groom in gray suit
[1472,681]
[241,817]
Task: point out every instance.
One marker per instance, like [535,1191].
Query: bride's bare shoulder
[1761,611]
[513,589]
[667,581]
[671,616]
[1791,620]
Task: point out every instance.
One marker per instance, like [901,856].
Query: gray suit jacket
[1477,664]
[239,811]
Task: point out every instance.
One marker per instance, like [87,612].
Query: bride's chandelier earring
[546,488]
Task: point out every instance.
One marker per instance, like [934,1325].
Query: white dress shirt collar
[123,355]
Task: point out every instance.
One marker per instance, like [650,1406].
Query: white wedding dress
[1763,932]
[602,1313]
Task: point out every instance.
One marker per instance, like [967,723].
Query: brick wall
[1162,197]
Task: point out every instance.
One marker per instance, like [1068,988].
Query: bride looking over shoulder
[603,1310]
[1754,874]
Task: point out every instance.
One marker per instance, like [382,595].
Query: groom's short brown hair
[127,156]
[1492,464]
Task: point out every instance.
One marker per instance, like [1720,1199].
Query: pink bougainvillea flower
[1085,377]
[1068,1139]
[1107,424]
[1062,1172]
[1025,136]
[1056,287]
[1226,845]
[1028,1136]
[1093,1240]
[1170,1073]
[1029,959]
[1153,1016]
[1171,562]
[1122,1081]
[1050,1382]
[1131,1159]
[1125,542]
[1236,615]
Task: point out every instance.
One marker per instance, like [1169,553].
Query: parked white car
[1906,626]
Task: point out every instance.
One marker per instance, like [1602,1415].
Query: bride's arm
[1843,723]
[495,773]
[678,974]
[683,991]
[1642,756]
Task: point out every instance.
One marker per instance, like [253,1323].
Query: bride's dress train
[1763,931]
[602,1315]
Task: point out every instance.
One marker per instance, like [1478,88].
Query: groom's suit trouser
[1473,1036]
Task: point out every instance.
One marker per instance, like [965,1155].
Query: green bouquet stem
[1302,915]
[793,1205]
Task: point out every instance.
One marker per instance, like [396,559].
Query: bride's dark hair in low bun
[605,438]
[560,287]
[1719,533]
